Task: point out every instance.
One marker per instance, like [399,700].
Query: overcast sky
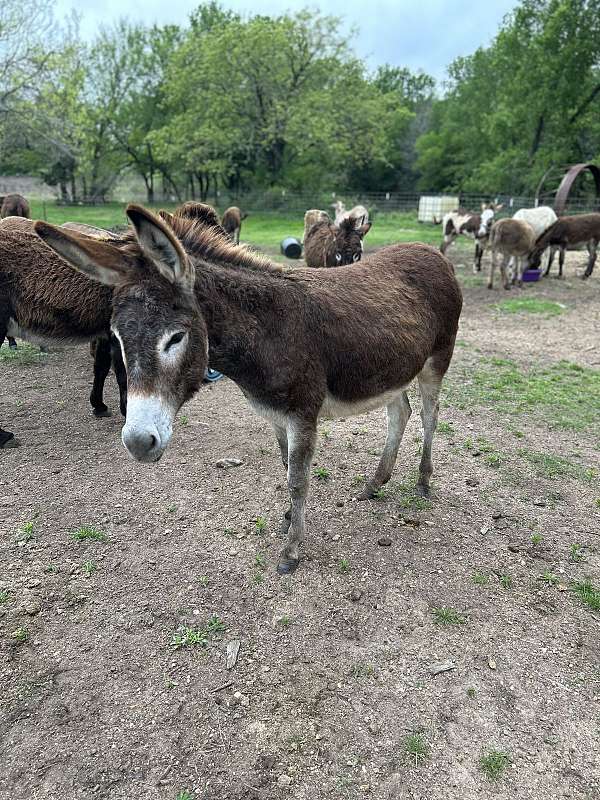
[420,34]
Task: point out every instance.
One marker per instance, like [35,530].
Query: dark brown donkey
[232,222]
[330,245]
[14,205]
[43,299]
[301,344]
[568,232]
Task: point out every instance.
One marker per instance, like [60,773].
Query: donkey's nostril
[144,445]
[153,442]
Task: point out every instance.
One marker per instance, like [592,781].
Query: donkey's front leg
[282,441]
[301,440]
[430,383]
[100,349]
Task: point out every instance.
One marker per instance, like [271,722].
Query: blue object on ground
[211,375]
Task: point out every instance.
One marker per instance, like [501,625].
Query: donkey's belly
[41,339]
[333,407]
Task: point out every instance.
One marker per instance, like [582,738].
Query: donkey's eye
[356,257]
[175,339]
[338,257]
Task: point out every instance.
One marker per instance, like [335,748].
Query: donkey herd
[176,292]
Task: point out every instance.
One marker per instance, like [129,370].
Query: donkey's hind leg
[430,383]
[282,441]
[7,439]
[100,349]
[301,437]
[592,247]
[398,414]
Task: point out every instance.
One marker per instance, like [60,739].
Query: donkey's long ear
[99,260]
[364,229]
[159,243]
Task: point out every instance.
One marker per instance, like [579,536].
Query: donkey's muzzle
[148,427]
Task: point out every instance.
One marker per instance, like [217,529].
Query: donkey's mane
[206,242]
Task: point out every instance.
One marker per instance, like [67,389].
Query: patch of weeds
[471,692]
[480,579]
[380,494]
[321,473]
[494,460]
[536,539]
[357,480]
[344,565]
[576,553]
[493,764]
[325,433]
[183,420]
[446,428]
[416,747]
[89,567]
[505,581]
[88,532]
[4,595]
[552,466]
[51,568]
[231,532]
[20,635]
[564,395]
[548,578]
[215,626]
[184,794]
[447,616]
[258,578]
[25,355]
[172,508]
[188,637]
[260,560]
[588,594]
[203,580]
[531,305]
[362,670]
[260,525]
[284,621]
[26,532]
[407,498]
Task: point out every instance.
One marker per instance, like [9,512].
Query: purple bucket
[531,275]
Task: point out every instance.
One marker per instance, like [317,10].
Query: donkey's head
[155,317]
[488,211]
[347,244]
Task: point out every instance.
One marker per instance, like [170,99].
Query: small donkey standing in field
[469,223]
[301,344]
[566,232]
[329,245]
[513,238]
[232,222]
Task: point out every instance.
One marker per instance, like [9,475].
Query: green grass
[549,465]
[321,473]
[88,532]
[416,747]
[25,355]
[20,635]
[263,229]
[548,578]
[89,567]
[588,594]
[4,595]
[531,305]
[564,396]
[184,794]
[446,428]
[493,764]
[505,581]
[479,579]
[26,532]
[344,565]
[447,616]
[576,553]
[260,525]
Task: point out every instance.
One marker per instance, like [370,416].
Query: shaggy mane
[205,242]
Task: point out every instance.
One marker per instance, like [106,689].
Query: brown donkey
[301,344]
[232,222]
[330,245]
[43,299]
[14,205]
[566,232]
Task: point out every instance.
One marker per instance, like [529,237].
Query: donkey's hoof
[101,411]
[422,491]
[366,494]
[7,440]
[288,566]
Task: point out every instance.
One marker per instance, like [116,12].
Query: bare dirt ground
[333,694]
